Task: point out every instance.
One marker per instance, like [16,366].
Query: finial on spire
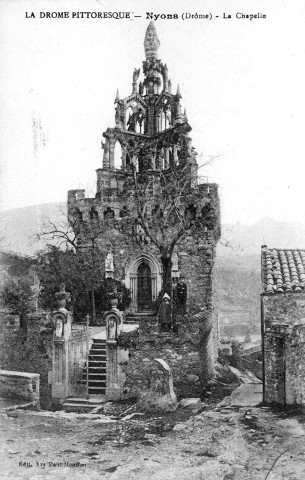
[178,91]
[151,41]
[170,86]
[117,97]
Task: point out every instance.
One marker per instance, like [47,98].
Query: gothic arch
[131,272]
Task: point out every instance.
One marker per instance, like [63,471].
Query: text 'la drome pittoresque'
[148,15]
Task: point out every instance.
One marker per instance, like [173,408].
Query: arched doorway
[135,285]
[144,287]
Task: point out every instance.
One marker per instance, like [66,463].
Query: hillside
[247,239]
[20,226]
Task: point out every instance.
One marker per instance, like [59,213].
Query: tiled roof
[283,270]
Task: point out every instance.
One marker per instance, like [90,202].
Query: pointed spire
[151,42]
[178,91]
[170,86]
[117,97]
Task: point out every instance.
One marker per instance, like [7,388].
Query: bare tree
[168,206]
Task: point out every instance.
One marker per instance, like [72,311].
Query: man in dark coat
[181,296]
[165,314]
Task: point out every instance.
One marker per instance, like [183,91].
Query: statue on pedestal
[63,298]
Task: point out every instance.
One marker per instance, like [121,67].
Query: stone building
[283,325]
[151,134]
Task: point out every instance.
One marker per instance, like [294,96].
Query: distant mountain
[247,239]
[19,227]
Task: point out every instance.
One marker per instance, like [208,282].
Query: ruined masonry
[283,325]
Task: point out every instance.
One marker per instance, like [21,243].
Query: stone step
[97,346]
[83,405]
[77,407]
[99,340]
[139,318]
[97,357]
[97,390]
[95,376]
[85,401]
[96,369]
[97,363]
[92,383]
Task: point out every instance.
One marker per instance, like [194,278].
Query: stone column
[106,154]
[113,390]
[134,291]
[60,359]
[111,153]
[114,321]
[154,287]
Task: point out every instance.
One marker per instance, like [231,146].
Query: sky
[242,84]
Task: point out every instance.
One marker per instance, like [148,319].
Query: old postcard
[152,239]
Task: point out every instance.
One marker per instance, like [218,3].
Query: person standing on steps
[181,296]
[165,314]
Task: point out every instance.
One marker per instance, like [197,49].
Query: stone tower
[151,134]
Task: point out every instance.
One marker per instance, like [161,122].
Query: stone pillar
[154,287]
[134,291]
[123,158]
[111,153]
[62,322]
[114,322]
[106,154]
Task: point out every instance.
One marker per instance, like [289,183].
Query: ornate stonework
[150,136]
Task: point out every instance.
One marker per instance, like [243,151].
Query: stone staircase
[97,368]
[97,381]
[137,317]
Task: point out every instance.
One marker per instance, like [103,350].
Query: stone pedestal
[60,359]
[113,389]
[114,322]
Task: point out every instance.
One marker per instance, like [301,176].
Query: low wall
[181,352]
[20,386]
[29,351]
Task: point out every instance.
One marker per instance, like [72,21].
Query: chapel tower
[151,135]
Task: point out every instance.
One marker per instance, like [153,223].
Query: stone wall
[195,251]
[283,308]
[20,386]
[28,352]
[181,352]
[284,348]
[295,365]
